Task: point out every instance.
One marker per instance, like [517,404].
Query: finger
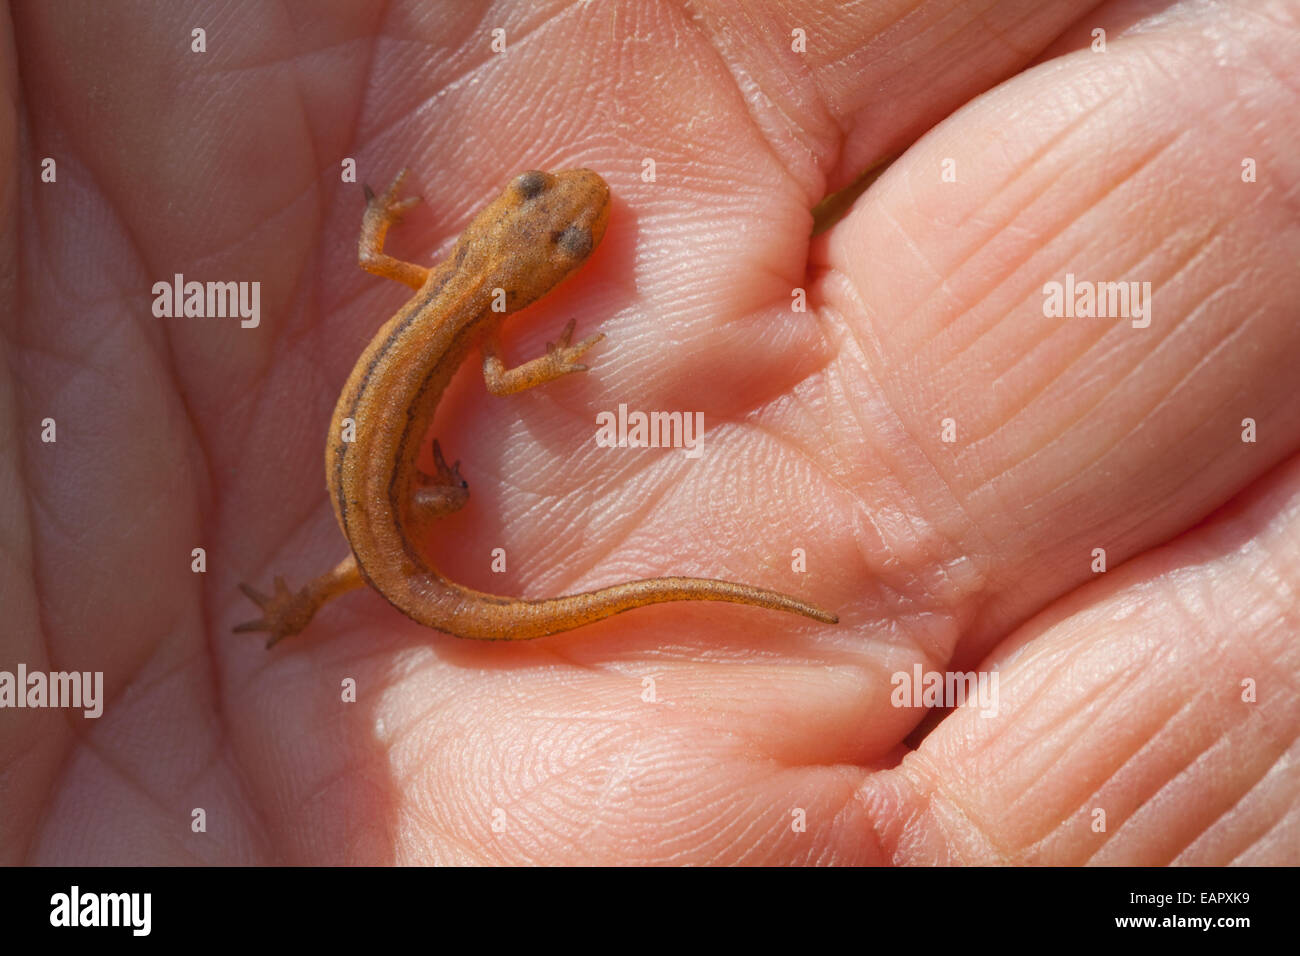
[1070,440]
[1168,725]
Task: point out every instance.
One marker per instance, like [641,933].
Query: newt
[537,232]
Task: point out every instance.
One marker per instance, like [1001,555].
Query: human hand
[1120,692]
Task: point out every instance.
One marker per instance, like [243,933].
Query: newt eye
[531,184]
[574,242]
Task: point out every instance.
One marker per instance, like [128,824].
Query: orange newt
[525,242]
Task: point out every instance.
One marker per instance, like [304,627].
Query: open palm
[951,461]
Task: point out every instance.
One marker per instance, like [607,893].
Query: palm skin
[769,739]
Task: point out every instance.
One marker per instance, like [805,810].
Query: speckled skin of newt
[525,242]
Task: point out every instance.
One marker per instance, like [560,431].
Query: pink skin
[1119,692]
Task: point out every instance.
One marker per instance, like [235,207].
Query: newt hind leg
[285,612]
[435,495]
[442,492]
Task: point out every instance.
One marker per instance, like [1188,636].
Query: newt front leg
[558,361]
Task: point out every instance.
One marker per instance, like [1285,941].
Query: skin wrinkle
[706,825]
[617,777]
[1288,601]
[64,745]
[1004,33]
[299,523]
[1045,240]
[1199,361]
[1207,243]
[942,804]
[258,816]
[1170,784]
[458,81]
[203,467]
[544,780]
[1190,616]
[1117,772]
[267,221]
[1285,822]
[88,747]
[1063,430]
[899,426]
[1082,472]
[1057,144]
[905,65]
[268,67]
[712,41]
[320,791]
[253,812]
[1060,667]
[747,828]
[935,649]
[940,484]
[788,444]
[910,245]
[646,505]
[138,693]
[221,758]
[1112,332]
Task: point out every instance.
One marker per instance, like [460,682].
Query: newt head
[537,231]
